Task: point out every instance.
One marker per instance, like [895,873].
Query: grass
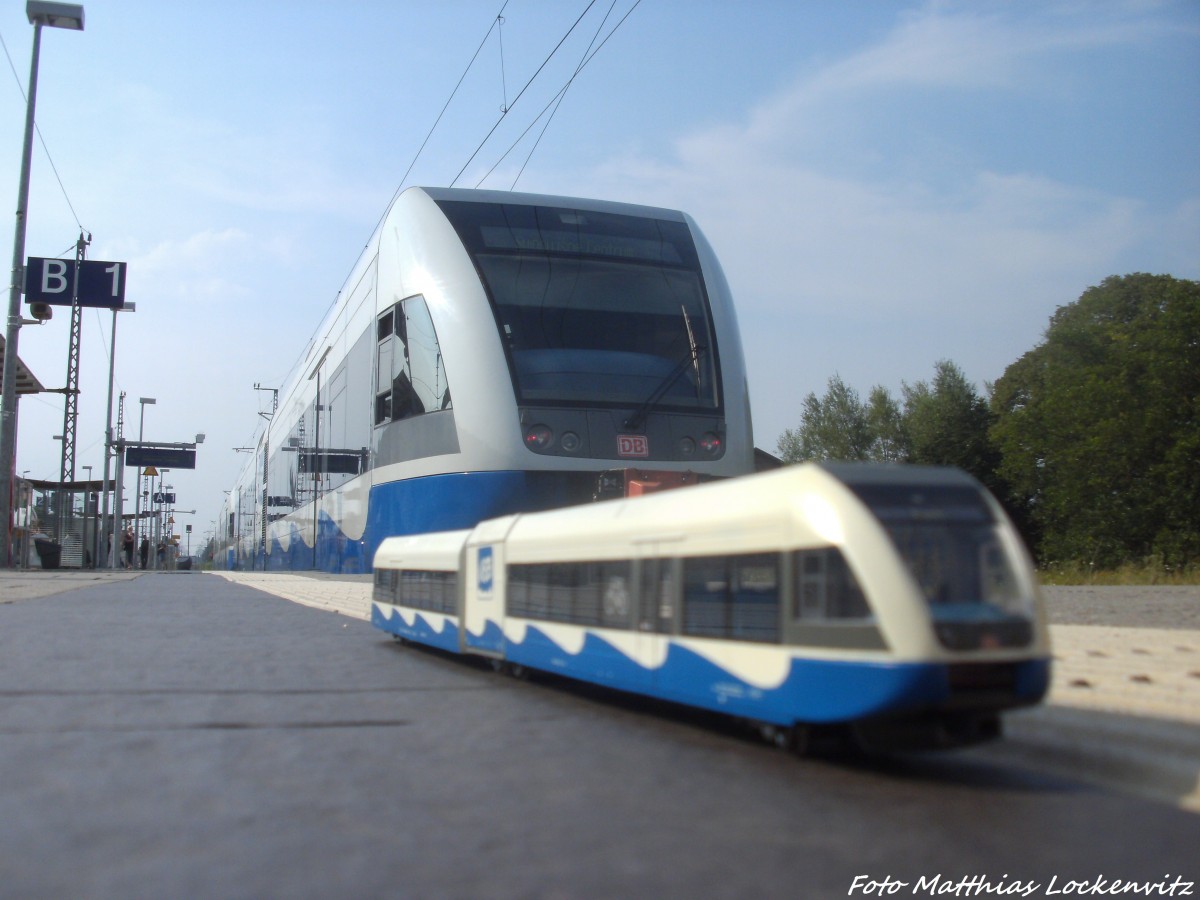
[1151,572]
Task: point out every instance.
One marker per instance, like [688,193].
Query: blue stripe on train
[414,506]
[813,691]
[420,630]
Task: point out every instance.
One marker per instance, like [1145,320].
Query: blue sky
[886,184]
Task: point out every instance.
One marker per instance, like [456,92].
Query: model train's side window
[825,588]
[582,593]
[734,597]
[410,378]
[435,590]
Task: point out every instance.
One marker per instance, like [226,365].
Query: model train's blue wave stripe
[813,691]
[419,631]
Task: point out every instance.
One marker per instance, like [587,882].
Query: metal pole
[71,394]
[137,500]
[118,534]
[8,400]
[118,518]
[101,559]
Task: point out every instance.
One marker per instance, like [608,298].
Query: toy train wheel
[794,739]
[516,670]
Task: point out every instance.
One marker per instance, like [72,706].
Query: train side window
[825,587]
[426,370]
[410,377]
[434,590]
[383,368]
[385,586]
[581,593]
[732,597]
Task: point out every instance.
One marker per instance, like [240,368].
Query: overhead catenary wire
[493,25]
[41,139]
[557,99]
[445,106]
[520,93]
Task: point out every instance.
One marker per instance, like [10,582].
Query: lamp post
[90,544]
[56,15]
[137,500]
[110,451]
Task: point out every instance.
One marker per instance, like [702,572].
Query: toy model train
[897,603]
[494,353]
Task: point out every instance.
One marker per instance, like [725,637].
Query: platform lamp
[56,15]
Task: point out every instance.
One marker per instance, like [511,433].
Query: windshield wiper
[691,358]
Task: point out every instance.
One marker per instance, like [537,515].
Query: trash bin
[49,552]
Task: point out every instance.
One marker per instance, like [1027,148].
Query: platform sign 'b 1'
[52,281]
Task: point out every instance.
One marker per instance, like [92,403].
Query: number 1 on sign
[115,271]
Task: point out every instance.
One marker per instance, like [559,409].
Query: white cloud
[897,268]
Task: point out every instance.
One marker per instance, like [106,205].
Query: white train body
[897,598]
[492,353]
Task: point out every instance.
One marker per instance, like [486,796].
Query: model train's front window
[954,549]
[595,307]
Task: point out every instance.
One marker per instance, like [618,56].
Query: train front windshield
[595,308]
[952,545]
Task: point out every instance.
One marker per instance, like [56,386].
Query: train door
[658,597]
[483,594]
[312,459]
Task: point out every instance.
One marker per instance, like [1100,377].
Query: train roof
[437,550]
[715,515]
[510,197]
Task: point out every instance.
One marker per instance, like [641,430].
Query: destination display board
[163,457]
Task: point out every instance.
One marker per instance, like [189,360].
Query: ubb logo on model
[485,567]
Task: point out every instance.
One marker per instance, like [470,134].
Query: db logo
[632,445]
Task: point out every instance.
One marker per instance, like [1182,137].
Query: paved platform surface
[1125,668]
[1124,703]
[1127,650]
[190,736]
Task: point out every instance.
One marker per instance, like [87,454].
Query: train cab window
[410,378]
[954,548]
[825,588]
[733,597]
[595,306]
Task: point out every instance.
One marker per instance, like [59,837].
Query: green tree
[834,426]
[889,436]
[947,424]
[1099,425]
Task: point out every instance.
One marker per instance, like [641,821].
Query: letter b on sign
[54,276]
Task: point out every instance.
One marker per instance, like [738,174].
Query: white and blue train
[493,353]
[897,603]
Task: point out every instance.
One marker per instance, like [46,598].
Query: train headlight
[710,443]
[538,437]
[687,447]
[570,441]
